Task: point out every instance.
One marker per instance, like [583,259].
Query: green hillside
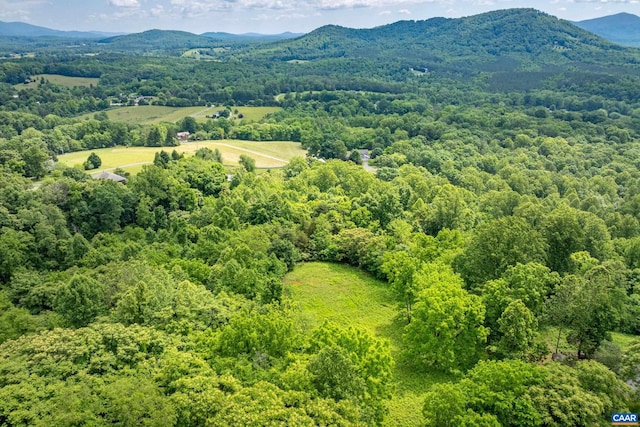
[492,47]
[156,40]
[473,40]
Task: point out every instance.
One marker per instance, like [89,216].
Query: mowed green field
[351,297]
[131,159]
[59,80]
[152,114]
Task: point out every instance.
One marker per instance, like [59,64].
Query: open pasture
[152,114]
[131,159]
[59,80]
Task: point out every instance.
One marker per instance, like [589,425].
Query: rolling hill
[176,42]
[510,49]
[153,40]
[470,40]
[622,28]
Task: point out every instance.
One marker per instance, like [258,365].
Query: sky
[274,16]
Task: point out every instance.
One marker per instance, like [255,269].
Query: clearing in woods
[59,80]
[131,159]
[348,296]
[152,114]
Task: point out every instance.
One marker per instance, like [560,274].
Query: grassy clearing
[152,114]
[131,159]
[624,341]
[253,114]
[351,297]
[59,80]
[341,294]
[550,336]
[147,114]
[205,54]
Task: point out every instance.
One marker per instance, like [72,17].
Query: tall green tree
[589,306]
[497,245]
[518,328]
[80,300]
[92,162]
[446,332]
[369,367]
[400,269]
[247,162]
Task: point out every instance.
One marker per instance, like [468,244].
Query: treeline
[183,83]
[30,144]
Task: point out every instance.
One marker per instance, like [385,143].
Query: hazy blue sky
[273,16]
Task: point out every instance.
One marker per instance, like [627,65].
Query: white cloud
[157,11]
[200,7]
[124,3]
[404,12]
[19,9]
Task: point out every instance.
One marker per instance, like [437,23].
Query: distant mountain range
[176,42]
[20,29]
[623,28]
[493,44]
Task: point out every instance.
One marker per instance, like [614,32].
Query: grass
[59,80]
[152,114]
[341,294]
[351,297]
[624,341]
[253,114]
[147,114]
[204,54]
[550,336]
[131,159]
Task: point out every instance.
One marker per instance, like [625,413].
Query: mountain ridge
[22,29]
[621,28]
[488,42]
[496,34]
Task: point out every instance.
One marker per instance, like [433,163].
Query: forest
[483,270]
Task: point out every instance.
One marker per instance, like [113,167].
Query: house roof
[112,176]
